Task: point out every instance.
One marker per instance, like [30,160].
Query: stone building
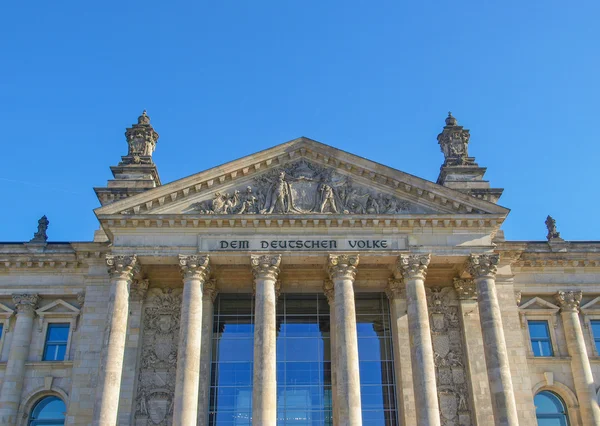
[301,285]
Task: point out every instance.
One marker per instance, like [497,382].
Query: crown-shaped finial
[450,120]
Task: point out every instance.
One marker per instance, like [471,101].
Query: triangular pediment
[301,177]
[593,306]
[538,303]
[58,306]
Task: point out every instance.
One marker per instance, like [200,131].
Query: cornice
[69,256]
[408,186]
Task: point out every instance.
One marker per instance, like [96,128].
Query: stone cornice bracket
[342,266]
[569,301]
[210,289]
[465,288]
[395,289]
[328,290]
[81,299]
[412,266]
[265,266]
[194,266]
[122,267]
[25,303]
[483,265]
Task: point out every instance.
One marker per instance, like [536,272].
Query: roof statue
[41,236]
[553,234]
[141,138]
[454,142]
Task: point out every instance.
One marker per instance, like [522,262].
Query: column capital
[194,266]
[328,290]
[413,265]
[483,265]
[210,289]
[25,303]
[342,266]
[265,266]
[569,301]
[465,288]
[395,289]
[138,289]
[122,266]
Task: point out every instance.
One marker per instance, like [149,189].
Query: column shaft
[414,269]
[12,385]
[121,269]
[328,289]
[210,293]
[342,270]
[483,269]
[185,410]
[580,362]
[264,391]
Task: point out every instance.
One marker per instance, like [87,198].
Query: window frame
[591,312]
[538,309]
[34,422]
[67,346]
[565,412]
[539,339]
[6,316]
[68,315]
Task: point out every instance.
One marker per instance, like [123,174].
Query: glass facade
[540,338]
[304,395]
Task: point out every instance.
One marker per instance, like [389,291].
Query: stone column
[342,271]
[483,269]
[265,269]
[466,292]
[12,385]
[328,290]
[569,302]
[208,300]
[195,271]
[121,270]
[413,269]
[405,397]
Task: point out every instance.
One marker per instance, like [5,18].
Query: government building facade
[299,286]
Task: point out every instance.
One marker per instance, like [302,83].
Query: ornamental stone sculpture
[194,266]
[465,288]
[569,301]
[121,266]
[553,233]
[41,235]
[141,140]
[483,265]
[413,265]
[454,143]
[343,266]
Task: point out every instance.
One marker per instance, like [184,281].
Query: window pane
[1,330]
[550,409]
[538,329]
[49,411]
[58,332]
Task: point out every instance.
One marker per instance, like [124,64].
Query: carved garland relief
[300,188]
[449,357]
[156,379]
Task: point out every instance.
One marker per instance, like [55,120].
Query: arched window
[49,411]
[550,410]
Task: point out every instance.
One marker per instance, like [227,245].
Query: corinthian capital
[122,267]
[465,288]
[265,266]
[569,300]
[483,265]
[413,265]
[342,266]
[395,289]
[194,266]
[25,303]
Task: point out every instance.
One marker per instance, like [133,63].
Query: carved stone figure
[141,140]
[41,236]
[454,143]
[552,231]
[280,197]
[327,198]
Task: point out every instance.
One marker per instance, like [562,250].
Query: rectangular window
[540,338]
[56,342]
[596,333]
[1,331]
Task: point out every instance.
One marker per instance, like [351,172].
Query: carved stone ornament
[25,303]
[210,289]
[81,299]
[194,266]
[465,288]
[139,288]
[141,141]
[483,265]
[122,267]
[41,236]
[412,266]
[156,378]
[553,233]
[454,143]
[569,301]
[328,290]
[265,266]
[395,289]
[343,266]
[301,188]
[518,295]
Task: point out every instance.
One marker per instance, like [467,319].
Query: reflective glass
[540,338]
[378,393]
[232,356]
[596,334]
[1,330]
[550,410]
[49,411]
[56,342]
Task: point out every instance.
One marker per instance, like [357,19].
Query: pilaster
[208,301]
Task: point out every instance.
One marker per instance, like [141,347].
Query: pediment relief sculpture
[302,188]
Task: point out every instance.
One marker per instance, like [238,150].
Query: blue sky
[224,79]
